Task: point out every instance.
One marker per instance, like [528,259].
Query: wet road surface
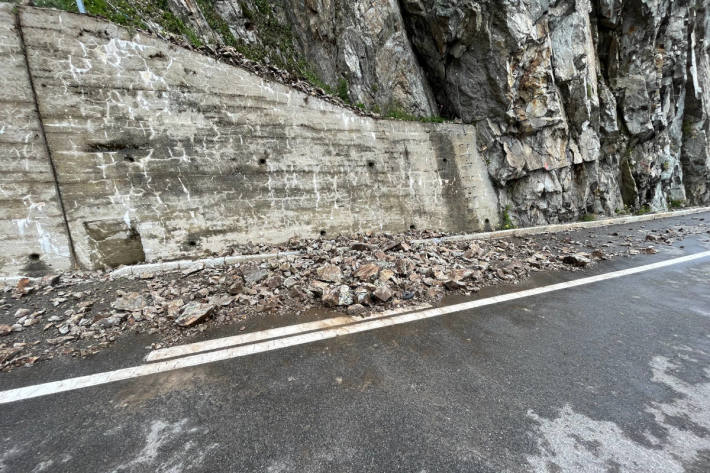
[613,376]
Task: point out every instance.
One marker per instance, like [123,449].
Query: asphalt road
[609,377]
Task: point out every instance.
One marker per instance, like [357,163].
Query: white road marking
[70,384]
[209,345]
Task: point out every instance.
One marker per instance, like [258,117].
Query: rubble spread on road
[80,313]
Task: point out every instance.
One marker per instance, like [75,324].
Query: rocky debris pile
[81,313]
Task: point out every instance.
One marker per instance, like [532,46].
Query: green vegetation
[131,14]
[68,5]
[276,40]
[343,90]
[645,209]
[506,223]
[588,218]
[677,204]
[396,113]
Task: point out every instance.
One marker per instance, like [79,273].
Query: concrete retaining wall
[32,234]
[162,153]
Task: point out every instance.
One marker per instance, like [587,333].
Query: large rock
[193,313]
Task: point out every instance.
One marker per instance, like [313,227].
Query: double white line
[258,342]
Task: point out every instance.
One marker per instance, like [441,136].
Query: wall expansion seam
[60,200]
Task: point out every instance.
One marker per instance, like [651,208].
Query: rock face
[580,106]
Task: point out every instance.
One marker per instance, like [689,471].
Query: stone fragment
[367,272]
[255,276]
[386,275]
[5,330]
[362,296]
[329,273]
[453,285]
[193,313]
[108,322]
[318,287]
[130,302]
[356,309]
[290,282]
[58,340]
[236,287]
[338,296]
[577,259]
[51,280]
[221,300]
[22,313]
[383,293]
[174,306]
[274,282]
[397,246]
[360,246]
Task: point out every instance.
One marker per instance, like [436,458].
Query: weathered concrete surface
[163,153]
[32,236]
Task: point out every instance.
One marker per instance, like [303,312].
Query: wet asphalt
[614,376]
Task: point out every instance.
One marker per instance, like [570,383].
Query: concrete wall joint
[60,201]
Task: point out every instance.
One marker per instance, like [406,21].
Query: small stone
[360,246]
[383,293]
[193,313]
[386,275]
[329,273]
[22,313]
[397,246]
[453,285]
[255,276]
[131,302]
[174,307]
[58,340]
[460,274]
[362,296]
[290,282]
[356,309]
[318,287]
[51,280]
[578,259]
[108,322]
[236,287]
[193,270]
[5,330]
[222,300]
[367,272]
[274,282]
[338,296]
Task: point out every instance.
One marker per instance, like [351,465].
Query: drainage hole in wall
[34,256]
[192,243]
[322,233]
[412,227]
[444,159]
[370,164]
[130,159]
[262,161]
